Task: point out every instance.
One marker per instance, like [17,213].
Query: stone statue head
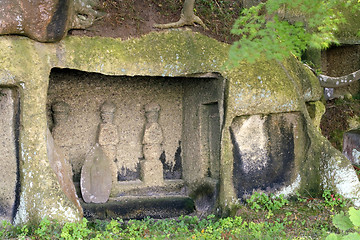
[107,110]
[152,112]
[60,111]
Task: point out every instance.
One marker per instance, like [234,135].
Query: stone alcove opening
[9,152]
[190,118]
[268,151]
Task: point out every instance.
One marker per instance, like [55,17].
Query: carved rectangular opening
[9,152]
[188,112]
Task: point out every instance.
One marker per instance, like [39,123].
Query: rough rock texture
[267,150]
[261,89]
[316,110]
[351,146]
[62,169]
[266,92]
[9,120]
[45,20]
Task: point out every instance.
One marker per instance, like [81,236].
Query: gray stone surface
[46,20]
[96,180]
[267,150]
[107,136]
[62,169]
[351,146]
[8,152]
[201,129]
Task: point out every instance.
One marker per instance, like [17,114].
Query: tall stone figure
[61,130]
[99,172]
[151,169]
[108,137]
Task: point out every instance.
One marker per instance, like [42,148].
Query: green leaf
[332,236]
[342,221]
[354,216]
[352,236]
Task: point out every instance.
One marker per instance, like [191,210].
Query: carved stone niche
[9,152]
[268,151]
[162,135]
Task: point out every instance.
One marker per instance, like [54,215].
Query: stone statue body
[108,136]
[61,129]
[99,172]
[151,169]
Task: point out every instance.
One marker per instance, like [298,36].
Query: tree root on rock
[182,22]
[187,18]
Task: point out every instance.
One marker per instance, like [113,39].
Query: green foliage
[22,231]
[333,200]
[47,229]
[342,221]
[75,230]
[286,223]
[5,229]
[347,222]
[261,201]
[278,28]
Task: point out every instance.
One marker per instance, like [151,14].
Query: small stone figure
[61,129]
[151,169]
[108,136]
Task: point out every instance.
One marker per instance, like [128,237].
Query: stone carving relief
[60,131]
[108,136]
[85,93]
[151,168]
[99,172]
[46,20]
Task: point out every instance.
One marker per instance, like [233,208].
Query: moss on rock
[261,88]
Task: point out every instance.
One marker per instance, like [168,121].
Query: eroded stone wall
[8,152]
[266,151]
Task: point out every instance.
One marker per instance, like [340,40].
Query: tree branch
[335,82]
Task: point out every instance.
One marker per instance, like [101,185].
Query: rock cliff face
[226,114]
[45,20]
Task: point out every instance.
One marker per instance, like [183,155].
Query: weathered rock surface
[268,151]
[8,152]
[351,146]
[274,90]
[63,171]
[45,20]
